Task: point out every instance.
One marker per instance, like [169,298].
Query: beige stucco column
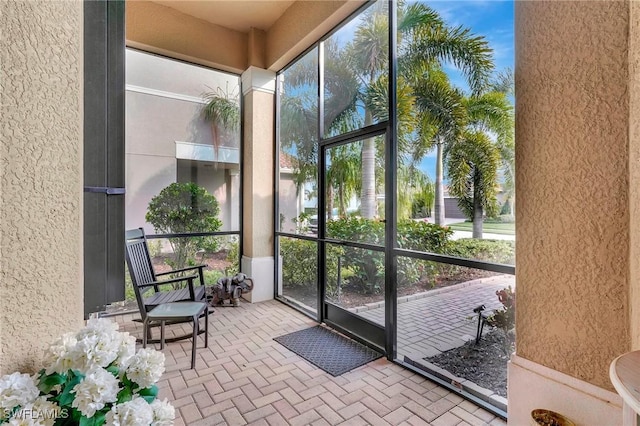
[41,290]
[258,89]
[577,234]
[233,183]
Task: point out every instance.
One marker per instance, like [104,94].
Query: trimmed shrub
[363,270]
[299,264]
[499,251]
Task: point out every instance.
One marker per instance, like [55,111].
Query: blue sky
[492,19]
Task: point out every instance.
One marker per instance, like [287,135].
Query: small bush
[299,264]
[210,244]
[369,265]
[183,208]
[503,218]
[498,251]
[211,277]
[233,256]
[423,236]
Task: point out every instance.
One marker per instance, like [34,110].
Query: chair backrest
[139,263]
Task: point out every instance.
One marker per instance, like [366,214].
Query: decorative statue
[231,288]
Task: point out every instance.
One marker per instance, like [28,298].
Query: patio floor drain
[328,350]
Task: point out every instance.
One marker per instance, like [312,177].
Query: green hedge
[299,262]
[364,269]
[498,251]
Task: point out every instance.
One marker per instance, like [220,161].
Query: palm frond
[222,110]
[469,53]
[472,168]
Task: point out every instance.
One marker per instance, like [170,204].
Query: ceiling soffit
[238,15]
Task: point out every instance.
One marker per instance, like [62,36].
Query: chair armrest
[174,271]
[188,268]
[188,278]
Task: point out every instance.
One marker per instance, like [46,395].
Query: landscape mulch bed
[484,364]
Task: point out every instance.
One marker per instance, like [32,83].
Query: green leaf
[66,397]
[97,420]
[47,382]
[149,394]
[125,395]
[113,369]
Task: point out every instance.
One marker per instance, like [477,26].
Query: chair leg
[145,330]
[162,335]
[193,343]
[206,328]
[148,333]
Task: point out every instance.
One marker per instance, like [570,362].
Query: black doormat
[328,350]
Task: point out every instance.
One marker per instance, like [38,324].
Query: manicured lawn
[488,227]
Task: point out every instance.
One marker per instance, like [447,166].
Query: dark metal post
[391,155]
[104,151]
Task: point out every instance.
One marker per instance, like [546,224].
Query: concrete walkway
[436,321]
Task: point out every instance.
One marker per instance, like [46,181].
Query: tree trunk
[438,208]
[342,210]
[368,205]
[368,194]
[329,202]
[477,207]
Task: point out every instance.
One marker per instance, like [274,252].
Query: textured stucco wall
[163,30]
[258,174]
[572,122]
[41,290]
[634,171]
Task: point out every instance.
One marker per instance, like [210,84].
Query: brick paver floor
[245,377]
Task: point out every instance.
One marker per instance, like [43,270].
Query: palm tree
[299,113]
[472,133]
[222,111]
[414,189]
[452,114]
[504,83]
[356,88]
[444,116]
[343,175]
[473,164]
[489,114]
[425,42]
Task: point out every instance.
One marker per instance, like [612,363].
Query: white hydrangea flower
[126,350]
[60,357]
[146,367]
[17,390]
[136,412]
[23,421]
[98,388]
[163,413]
[39,413]
[98,344]
[98,326]
[82,354]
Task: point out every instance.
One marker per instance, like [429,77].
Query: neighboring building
[168,140]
